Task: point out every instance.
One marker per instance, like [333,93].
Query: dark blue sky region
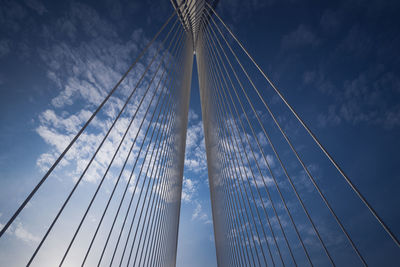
[337,63]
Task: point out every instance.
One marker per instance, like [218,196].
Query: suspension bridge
[261,215]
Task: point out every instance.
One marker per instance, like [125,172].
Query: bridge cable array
[254,222]
[149,129]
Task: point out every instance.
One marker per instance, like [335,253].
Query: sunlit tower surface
[262,216]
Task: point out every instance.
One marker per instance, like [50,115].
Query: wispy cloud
[23,234]
[20,232]
[199,214]
[37,6]
[302,36]
[195,156]
[363,99]
[189,189]
[82,73]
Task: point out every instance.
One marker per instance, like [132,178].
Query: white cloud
[59,141]
[193,116]
[199,214]
[45,161]
[83,74]
[189,189]
[197,211]
[23,234]
[195,156]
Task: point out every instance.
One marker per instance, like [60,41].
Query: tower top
[191,12]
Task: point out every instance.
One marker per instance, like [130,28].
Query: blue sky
[336,62]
